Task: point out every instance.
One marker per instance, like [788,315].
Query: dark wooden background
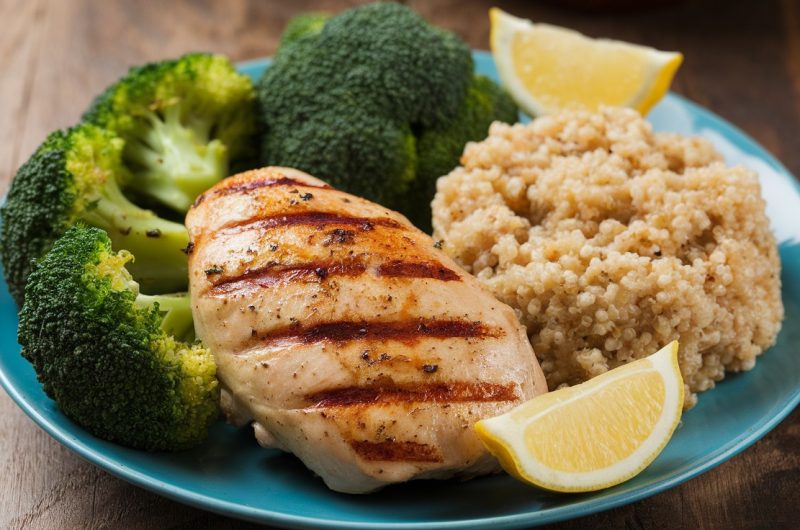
[742,60]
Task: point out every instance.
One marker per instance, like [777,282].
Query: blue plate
[231,475]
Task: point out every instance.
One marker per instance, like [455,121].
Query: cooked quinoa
[610,241]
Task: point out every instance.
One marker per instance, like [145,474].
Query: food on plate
[345,337]
[341,332]
[593,435]
[185,123]
[77,175]
[548,68]
[610,241]
[121,364]
[377,102]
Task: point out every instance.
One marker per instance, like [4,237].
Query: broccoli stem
[160,263]
[177,313]
[173,158]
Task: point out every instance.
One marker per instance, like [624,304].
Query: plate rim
[544,516]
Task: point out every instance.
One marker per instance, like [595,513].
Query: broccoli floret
[439,149]
[118,363]
[387,54]
[343,102]
[184,122]
[357,147]
[301,26]
[360,99]
[75,175]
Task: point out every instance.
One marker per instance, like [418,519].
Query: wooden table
[742,61]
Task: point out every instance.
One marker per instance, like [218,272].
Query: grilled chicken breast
[345,337]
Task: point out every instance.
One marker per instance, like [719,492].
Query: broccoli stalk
[176,311]
[158,244]
[75,176]
[115,361]
[174,162]
[184,122]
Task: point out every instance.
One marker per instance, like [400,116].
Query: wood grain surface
[742,61]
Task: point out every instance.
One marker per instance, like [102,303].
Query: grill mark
[256,184]
[438,392]
[318,219]
[394,451]
[410,269]
[275,273]
[407,331]
[266,183]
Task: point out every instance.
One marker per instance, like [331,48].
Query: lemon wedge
[593,435]
[547,68]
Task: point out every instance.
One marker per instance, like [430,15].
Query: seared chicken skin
[345,337]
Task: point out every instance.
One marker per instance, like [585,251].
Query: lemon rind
[664,70]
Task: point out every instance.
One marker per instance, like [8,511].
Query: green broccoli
[349,98]
[387,54]
[75,175]
[184,122]
[439,149]
[302,26]
[120,364]
[357,147]
[377,71]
